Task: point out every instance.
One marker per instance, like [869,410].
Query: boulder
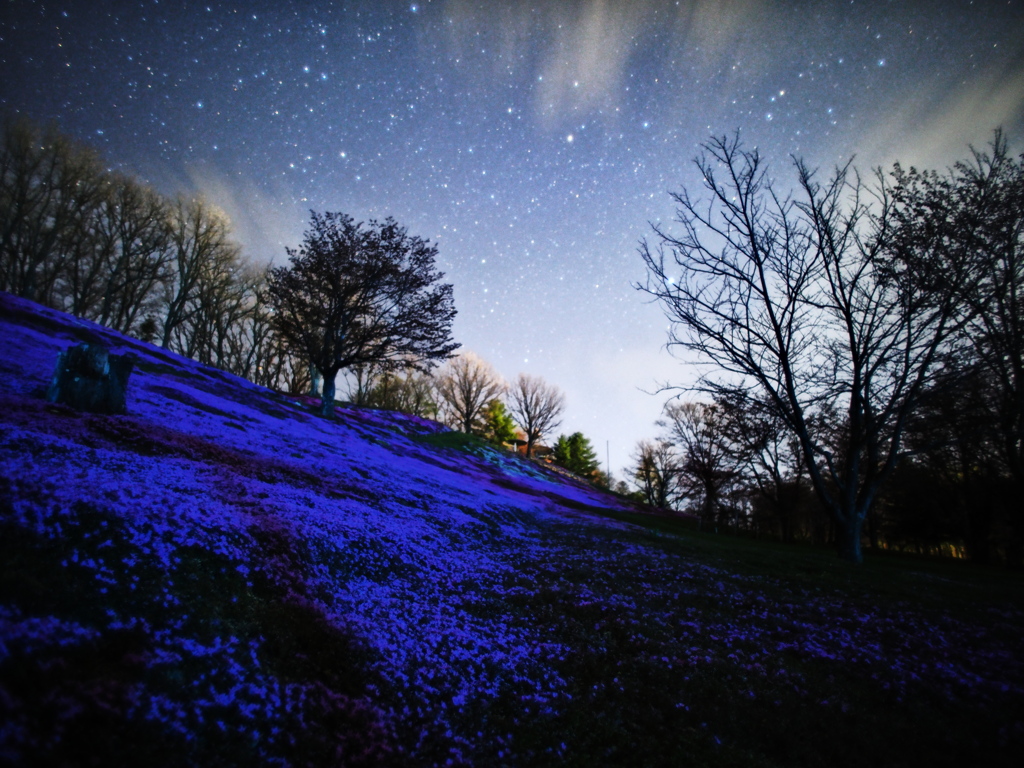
[89,378]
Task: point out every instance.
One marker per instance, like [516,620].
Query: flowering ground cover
[221,577]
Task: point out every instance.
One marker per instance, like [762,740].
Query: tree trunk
[314,380]
[327,399]
[848,534]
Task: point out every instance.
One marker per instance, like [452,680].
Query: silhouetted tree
[536,406]
[949,490]
[656,470]
[203,261]
[764,455]
[104,246]
[132,225]
[806,305]
[358,294]
[50,187]
[705,466]
[974,215]
[465,386]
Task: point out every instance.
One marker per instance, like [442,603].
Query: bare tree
[119,259]
[360,382]
[243,336]
[411,392]
[764,454]
[465,386]
[705,466]
[808,305]
[221,306]
[49,188]
[536,406]
[133,225]
[106,247]
[656,471]
[201,252]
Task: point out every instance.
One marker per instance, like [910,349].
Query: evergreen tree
[576,454]
[497,426]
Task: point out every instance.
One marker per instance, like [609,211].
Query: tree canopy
[357,294]
[575,453]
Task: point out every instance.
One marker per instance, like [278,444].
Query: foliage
[497,426]
[358,294]
[575,453]
[974,215]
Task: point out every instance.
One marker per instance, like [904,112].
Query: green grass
[926,581]
[458,441]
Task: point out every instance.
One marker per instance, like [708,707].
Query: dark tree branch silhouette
[465,386]
[358,294]
[974,215]
[49,189]
[705,466]
[536,406]
[810,305]
[656,472]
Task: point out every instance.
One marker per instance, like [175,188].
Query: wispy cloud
[263,222]
[580,56]
[933,126]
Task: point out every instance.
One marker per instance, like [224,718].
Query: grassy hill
[222,577]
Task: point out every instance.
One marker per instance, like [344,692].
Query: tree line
[360,299]
[470,396]
[104,246]
[865,352]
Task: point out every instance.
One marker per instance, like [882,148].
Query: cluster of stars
[534,146]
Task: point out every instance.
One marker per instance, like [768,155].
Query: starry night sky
[533,142]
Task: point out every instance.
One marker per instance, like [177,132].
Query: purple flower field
[221,577]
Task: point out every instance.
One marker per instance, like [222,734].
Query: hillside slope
[220,576]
